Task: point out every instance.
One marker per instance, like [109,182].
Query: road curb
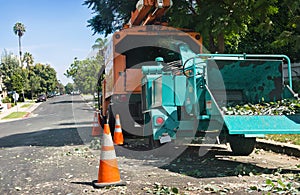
[26,115]
[278,147]
[33,107]
[29,111]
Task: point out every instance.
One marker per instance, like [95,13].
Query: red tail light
[159,120]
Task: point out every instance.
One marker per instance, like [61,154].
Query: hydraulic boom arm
[149,11]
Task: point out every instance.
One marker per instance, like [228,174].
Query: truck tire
[153,143]
[240,145]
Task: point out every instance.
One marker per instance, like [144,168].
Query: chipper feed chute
[251,86]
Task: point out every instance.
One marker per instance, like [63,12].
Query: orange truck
[144,38]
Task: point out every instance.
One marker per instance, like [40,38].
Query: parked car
[50,95]
[41,98]
[75,92]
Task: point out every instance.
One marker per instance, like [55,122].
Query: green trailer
[190,98]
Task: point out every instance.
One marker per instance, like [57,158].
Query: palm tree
[99,44]
[19,29]
[28,59]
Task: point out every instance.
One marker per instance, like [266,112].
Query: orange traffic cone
[96,127]
[108,174]
[118,135]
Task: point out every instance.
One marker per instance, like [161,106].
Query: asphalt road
[62,120]
[27,144]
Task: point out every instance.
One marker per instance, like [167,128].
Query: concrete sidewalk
[18,108]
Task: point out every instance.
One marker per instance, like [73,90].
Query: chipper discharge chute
[240,96]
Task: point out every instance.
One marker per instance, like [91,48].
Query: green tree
[288,18]
[72,71]
[35,79]
[33,82]
[279,35]
[14,77]
[85,74]
[47,78]
[60,88]
[19,29]
[30,87]
[69,88]
[9,67]
[109,15]
[223,24]
[286,29]
[28,59]
[51,80]
[19,81]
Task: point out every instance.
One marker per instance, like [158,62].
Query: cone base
[119,143]
[104,184]
[118,138]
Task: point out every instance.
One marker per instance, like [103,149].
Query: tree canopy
[109,15]
[251,26]
[46,76]
[69,88]
[19,29]
[10,71]
[85,73]
[35,79]
[28,59]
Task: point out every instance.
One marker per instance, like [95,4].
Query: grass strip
[292,139]
[15,115]
[25,105]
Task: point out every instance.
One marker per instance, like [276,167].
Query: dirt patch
[71,170]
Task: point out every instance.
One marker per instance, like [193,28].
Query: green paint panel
[147,83]
[263,124]
[168,98]
[180,90]
[247,80]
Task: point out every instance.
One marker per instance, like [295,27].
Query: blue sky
[56,31]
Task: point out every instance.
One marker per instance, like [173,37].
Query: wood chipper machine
[238,97]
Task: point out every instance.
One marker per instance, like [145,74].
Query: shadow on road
[68,101]
[51,137]
[76,123]
[88,109]
[83,183]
